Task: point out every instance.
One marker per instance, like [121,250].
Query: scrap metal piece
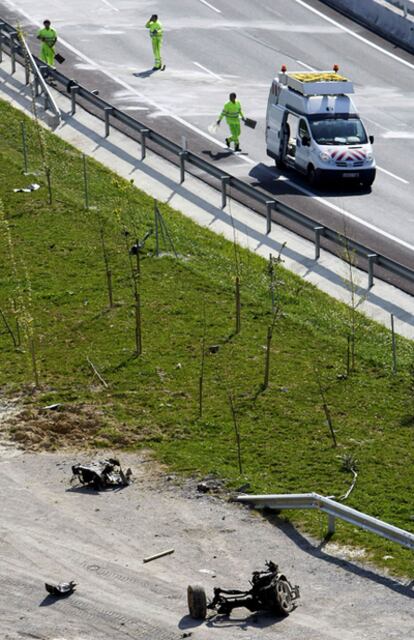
[61,589]
[270,591]
[159,555]
[102,474]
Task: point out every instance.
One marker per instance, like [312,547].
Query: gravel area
[52,531]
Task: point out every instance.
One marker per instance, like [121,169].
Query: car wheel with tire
[197,602]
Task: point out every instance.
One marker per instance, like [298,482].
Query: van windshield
[338,131]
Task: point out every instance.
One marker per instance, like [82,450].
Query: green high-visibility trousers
[234,130]
[156,48]
[47,54]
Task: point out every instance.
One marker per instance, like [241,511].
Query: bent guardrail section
[18,44]
[227,182]
[334,510]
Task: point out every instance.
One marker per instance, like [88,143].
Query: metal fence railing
[334,510]
[111,115]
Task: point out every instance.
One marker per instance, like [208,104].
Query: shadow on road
[318,552]
[266,176]
[145,74]
[218,155]
[49,599]
[259,620]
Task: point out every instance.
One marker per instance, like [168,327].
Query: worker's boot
[163,67]
[237,147]
[228,140]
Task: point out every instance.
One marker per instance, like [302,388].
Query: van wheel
[312,177]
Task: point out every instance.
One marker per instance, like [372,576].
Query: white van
[312,126]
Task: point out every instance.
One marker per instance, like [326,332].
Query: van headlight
[324,156]
[369,157]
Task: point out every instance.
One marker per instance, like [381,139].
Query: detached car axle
[270,591]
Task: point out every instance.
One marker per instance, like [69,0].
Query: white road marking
[212,139]
[355,35]
[307,66]
[392,175]
[398,135]
[210,6]
[377,124]
[211,73]
[111,6]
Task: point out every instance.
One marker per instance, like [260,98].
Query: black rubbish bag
[59,58]
[250,123]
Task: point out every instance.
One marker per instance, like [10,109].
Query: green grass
[57,278]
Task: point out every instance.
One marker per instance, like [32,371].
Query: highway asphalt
[212,48]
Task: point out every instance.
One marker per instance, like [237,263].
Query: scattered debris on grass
[31,187]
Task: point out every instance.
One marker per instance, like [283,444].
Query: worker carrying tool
[156,32]
[48,37]
[232,111]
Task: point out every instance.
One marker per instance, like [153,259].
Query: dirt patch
[35,428]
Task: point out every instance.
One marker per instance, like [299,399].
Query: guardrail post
[43,68]
[1,41]
[372,258]
[269,206]
[331,525]
[224,182]
[182,155]
[12,56]
[73,91]
[107,113]
[26,72]
[46,102]
[144,133]
[318,232]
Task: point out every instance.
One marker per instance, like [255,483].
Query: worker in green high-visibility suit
[232,111]
[155,27]
[48,37]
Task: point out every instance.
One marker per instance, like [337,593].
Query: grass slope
[52,274]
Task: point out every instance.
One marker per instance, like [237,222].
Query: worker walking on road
[155,27]
[48,37]
[232,111]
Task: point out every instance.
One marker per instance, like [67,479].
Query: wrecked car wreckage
[102,474]
[61,589]
[270,591]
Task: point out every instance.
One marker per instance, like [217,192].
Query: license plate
[351,175]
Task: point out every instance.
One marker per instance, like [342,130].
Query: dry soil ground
[50,531]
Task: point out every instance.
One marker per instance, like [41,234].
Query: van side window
[303,129]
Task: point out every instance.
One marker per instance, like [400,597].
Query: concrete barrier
[378,18]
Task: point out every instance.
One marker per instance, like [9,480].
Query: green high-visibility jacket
[155,28]
[232,111]
[48,36]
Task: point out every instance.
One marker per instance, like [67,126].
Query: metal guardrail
[334,510]
[406,6]
[112,114]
